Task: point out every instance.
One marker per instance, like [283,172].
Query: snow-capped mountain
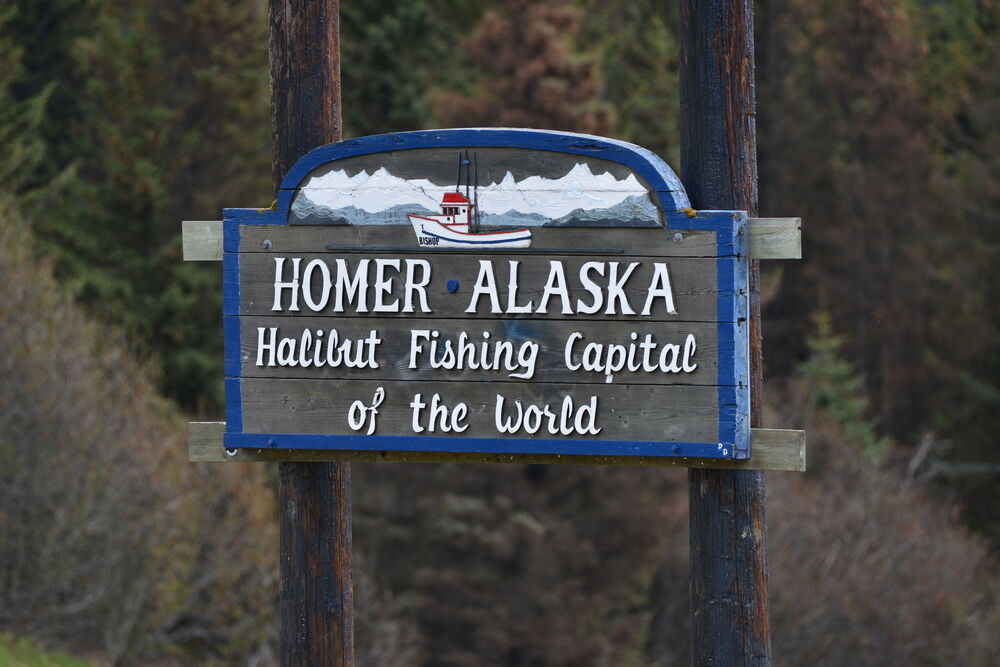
[307,212]
[535,198]
[512,219]
[636,211]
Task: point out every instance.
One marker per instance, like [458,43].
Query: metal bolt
[271,442]
[675,450]
[678,237]
[267,244]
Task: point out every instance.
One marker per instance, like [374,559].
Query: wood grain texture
[393,353]
[730,618]
[769,238]
[773,449]
[643,242]
[201,240]
[671,413]
[693,282]
[708,289]
[316,600]
[774,238]
[317,583]
[304,53]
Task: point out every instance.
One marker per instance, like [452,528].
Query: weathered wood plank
[363,238]
[527,347]
[693,282]
[772,449]
[769,238]
[635,413]
[774,238]
[201,240]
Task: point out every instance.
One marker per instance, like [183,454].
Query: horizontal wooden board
[768,238]
[201,240]
[624,412]
[637,242]
[545,363]
[693,284]
[774,238]
[773,449]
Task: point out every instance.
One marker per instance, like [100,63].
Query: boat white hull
[431,233]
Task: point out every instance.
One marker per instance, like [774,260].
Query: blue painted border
[406,443]
[658,176]
[731,271]
[231,325]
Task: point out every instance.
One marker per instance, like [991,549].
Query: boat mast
[467,174]
[475,191]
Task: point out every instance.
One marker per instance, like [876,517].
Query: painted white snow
[553,198]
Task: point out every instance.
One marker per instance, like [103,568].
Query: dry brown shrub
[869,569]
[111,541]
[866,568]
[519,565]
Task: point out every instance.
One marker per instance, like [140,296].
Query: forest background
[877,124]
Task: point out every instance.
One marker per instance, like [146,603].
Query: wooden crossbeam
[775,238]
[769,238]
[772,449]
[202,240]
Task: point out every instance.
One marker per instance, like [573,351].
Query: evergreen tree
[877,127]
[637,50]
[965,47]
[854,156]
[836,389]
[394,53]
[155,113]
[529,73]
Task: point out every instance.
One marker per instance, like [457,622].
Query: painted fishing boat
[453,228]
[457,225]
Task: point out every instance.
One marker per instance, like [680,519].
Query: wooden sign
[495,291]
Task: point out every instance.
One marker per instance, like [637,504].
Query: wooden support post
[730,623]
[316,605]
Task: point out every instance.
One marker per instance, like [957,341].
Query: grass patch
[21,652]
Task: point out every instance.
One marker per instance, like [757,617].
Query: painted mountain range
[579,198]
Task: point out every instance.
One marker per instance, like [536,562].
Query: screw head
[271,442]
[452,286]
[678,237]
[266,244]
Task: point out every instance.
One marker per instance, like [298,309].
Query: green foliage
[970,92]
[111,541]
[849,149]
[22,652]
[148,113]
[537,565]
[526,69]
[836,389]
[20,119]
[637,48]
[877,126]
[393,54]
